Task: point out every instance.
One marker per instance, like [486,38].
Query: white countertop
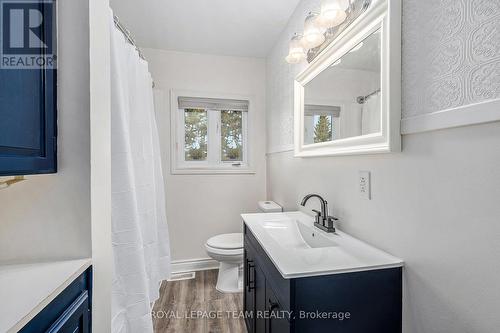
[298,249]
[25,289]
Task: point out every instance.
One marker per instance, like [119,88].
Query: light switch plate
[364,184]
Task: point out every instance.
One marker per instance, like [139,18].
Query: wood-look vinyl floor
[195,306]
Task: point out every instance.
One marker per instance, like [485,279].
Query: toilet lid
[226,241]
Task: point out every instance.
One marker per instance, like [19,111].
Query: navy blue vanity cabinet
[28,124]
[262,284]
[319,304]
[260,298]
[254,296]
[277,318]
[69,312]
[249,288]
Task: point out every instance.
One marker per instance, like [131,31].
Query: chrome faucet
[322,221]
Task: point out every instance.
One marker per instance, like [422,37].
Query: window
[211,135]
[231,135]
[323,127]
[195,134]
[321,123]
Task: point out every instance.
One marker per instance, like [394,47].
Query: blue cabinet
[69,312]
[76,319]
[318,304]
[28,122]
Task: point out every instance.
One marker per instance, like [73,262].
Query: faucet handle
[318,215]
[329,222]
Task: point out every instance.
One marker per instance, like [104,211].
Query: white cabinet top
[298,249]
[26,289]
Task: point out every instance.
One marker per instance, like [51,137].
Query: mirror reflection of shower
[343,101]
[370,112]
[362,99]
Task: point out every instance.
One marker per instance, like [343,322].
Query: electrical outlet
[364,184]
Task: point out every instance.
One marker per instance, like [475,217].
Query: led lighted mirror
[347,101]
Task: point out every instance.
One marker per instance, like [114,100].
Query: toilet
[227,249]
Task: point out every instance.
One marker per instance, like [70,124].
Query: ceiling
[245,28]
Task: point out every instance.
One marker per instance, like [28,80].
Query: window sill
[193,171]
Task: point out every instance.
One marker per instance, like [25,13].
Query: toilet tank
[269,207]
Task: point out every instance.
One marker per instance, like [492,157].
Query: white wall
[47,217]
[201,206]
[341,86]
[100,158]
[435,204]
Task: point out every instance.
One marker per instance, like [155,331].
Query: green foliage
[197,154]
[231,135]
[323,129]
[195,137]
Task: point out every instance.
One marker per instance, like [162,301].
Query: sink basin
[291,234]
[298,249]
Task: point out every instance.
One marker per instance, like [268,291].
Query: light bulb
[333,13]
[293,59]
[296,52]
[344,4]
[313,33]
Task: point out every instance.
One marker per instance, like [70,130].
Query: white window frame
[336,128]
[214,163]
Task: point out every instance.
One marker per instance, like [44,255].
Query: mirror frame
[386,16]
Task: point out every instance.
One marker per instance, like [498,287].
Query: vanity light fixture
[313,32]
[296,52]
[333,13]
[323,26]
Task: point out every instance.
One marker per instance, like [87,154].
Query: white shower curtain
[139,227]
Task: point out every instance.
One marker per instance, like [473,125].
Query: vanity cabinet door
[249,289]
[70,311]
[260,300]
[277,321]
[76,319]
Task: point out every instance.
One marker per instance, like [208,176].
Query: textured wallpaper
[451,54]
[451,57]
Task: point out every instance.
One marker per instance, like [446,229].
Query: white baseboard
[193,265]
[181,276]
[472,114]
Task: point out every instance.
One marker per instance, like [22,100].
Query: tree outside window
[231,135]
[323,128]
[211,136]
[195,137]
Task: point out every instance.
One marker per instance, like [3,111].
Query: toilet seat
[232,241]
[223,252]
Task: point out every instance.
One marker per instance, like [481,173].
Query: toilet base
[228,279]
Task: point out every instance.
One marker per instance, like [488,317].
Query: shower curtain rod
[129,38]
[127,35]
[362,99]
